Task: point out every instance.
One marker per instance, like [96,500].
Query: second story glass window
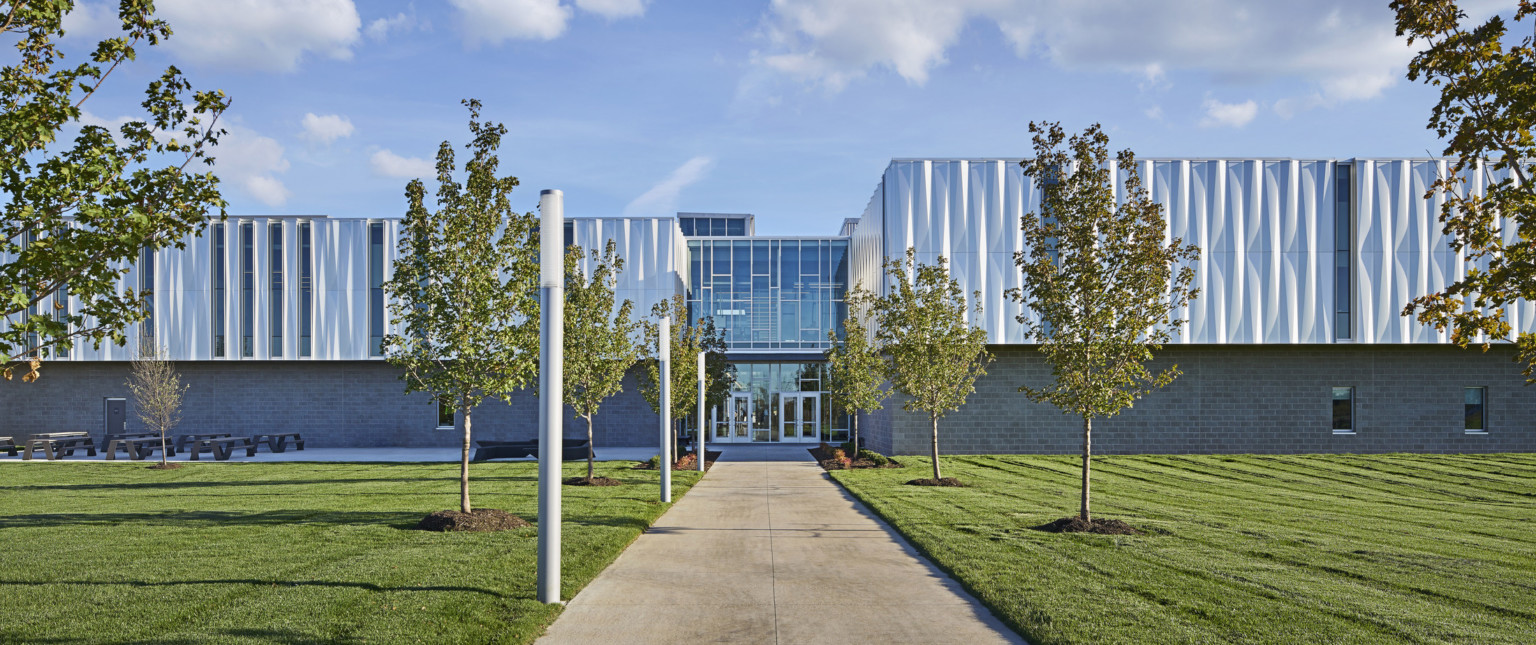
[247,289]
[1343,236]
[147,291]
[769,293]
[275,287]
[219,279]
[376,289]
[306,290]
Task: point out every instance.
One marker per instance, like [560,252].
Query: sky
[787,109]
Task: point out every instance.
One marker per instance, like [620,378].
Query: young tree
[1102,278]
[76,215]
[600,340]
[687,341]
[157,392]
[854,372]
[931,352]
[465,287]
[1487,88]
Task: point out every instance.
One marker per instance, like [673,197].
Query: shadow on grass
[283,636]
[333,584]
[399,520]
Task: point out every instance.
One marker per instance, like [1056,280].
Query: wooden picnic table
[183,439]
[222,447]
[278,441]
[58,444]
[111,438]
[138,447]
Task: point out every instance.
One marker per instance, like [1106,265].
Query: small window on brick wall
[1476,409]
[444,415]
[1344,410]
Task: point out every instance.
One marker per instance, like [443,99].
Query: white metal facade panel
[1265,228]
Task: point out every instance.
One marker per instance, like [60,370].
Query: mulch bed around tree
[169,465]
[929,481]
[1100,526]
[686,462]
[480,519]
[595,481]
[829,461]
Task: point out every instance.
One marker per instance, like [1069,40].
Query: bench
[138,447]
[278,441]
[111,438]
[58,444]
[183,439]
[519,449]
[222,447]
[9,445]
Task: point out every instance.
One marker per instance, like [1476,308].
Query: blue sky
[788,109]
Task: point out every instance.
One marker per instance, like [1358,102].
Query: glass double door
[800,417]
[734,423]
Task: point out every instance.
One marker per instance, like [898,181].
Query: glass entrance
[733,423]
[800,417]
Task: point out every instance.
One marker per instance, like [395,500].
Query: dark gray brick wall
[344,403]
[1244,399]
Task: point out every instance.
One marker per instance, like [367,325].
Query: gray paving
[766,549]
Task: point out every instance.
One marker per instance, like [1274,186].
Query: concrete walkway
[767,549]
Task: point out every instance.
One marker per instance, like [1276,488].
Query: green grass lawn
[1248,549]
[291,552]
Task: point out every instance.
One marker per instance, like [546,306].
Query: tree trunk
[855,435]
[935,419]
[1087,454]
[162,447]
[591,454]
[464,460]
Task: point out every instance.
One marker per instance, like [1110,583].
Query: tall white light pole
[551,393]
[703,454]
[664,356]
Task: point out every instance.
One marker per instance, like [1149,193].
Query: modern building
[1296,343]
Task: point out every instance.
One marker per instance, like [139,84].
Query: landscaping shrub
[879,460]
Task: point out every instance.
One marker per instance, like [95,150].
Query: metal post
[664,356]
[551,394]
[703,454]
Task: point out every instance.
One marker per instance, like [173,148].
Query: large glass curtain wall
[770,293]
[781,402]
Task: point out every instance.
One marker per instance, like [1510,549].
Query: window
[61,315]
[1343,234]
[1344,410]
[147,292]
[445,415]
[736,227]
[686,224]
[376,289]
[306,290]
[275,287]
[247,288]
[1476,409]
[218,290]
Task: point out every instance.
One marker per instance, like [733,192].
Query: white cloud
[326,128]
[389,164]
[661,199]
[269,35]
[92,20]
[1231,115]
[379,29]
[613,9]
[1349,51]
[492,22]
[251,162]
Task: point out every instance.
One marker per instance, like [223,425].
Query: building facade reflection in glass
[767,293]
